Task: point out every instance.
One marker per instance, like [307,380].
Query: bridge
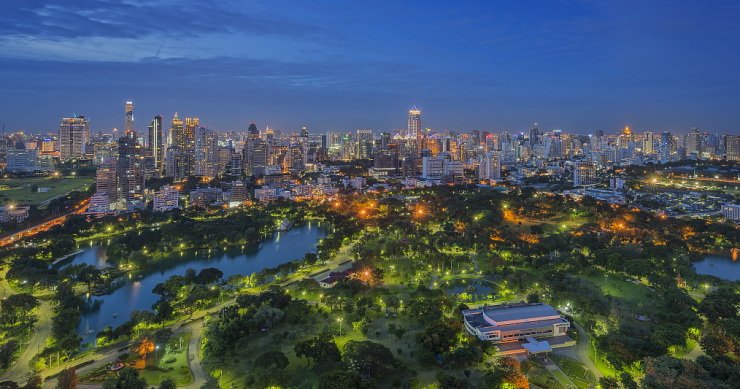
[42,226]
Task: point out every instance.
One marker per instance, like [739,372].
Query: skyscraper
[107,180]
[191,124]
[647,143]
[695,142]
[304,147]
[155,144]
[130,171]
[252,131]
[534,136]
[490,167]
[179,138]
[206,152]
[129,117]
[73,135]
[415,128]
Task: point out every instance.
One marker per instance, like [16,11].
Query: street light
[606,284]
[340,329]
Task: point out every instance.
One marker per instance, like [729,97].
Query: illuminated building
[129,126]
[177,163]
[166,199]
[414,128]
[584,173]
[74,133]
[694,144]
[130,172]
[732,147]
[515,322]
[206,152]
[155,145]
[107,179]
[490,167]
[534,135]
[647,143]
[433,167]
[224,159]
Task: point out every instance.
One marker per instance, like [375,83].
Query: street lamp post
[340,330]
[606,283]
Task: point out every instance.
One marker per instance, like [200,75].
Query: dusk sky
[577,66]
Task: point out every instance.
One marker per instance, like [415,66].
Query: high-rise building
[114,136]
[107,180]
[129,126]
[206,152]
[303,138]
[260,157]
[191,125]
[694,142]
[647,143]
[252,131]
[584,173]
[155,145]
[177,131]
[74,133]
[177,163]
[732,146]
[414,128]
[130,171]
[534,136]
[490,167]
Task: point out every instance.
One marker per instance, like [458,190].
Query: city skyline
[578,68]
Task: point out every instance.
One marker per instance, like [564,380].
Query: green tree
[6,353]
[168,383]
[67,379]
[366,356]
[362,327]
[128,378]
[304,348]
[212,383]
[339,379]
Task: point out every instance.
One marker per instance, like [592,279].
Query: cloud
[68,19]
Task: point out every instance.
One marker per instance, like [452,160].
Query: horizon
[574,67]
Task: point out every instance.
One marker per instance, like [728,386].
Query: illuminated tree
[143,345]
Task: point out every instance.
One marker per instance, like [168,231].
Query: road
[580,352]
[19,371]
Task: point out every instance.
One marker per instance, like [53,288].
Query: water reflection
[133,291]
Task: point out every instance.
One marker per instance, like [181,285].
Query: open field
[632,295]
[24,194]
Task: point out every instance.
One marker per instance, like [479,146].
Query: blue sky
[577,66]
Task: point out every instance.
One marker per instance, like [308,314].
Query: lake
[135,292]
[724,266]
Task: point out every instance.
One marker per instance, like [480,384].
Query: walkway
[580,352]
[475,262]
[19,371]
[696,352]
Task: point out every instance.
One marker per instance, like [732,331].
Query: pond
[134,290]
[464,285]
[719,265]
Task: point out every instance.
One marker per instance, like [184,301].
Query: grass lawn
[561,377]
[690,344]
[58,187]
[603,368]
[632,295]
[176,359]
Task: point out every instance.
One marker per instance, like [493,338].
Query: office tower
[252,131]
[224,159]
[490,167]
[239,194]
[534,135]
[347,152]
[155,145]
[365,144]
[74,133]
[107,180]
[130,171]
[694,142]
[22,160]
[647,143]
[177,132]
[584,173]
[732,145]
[625,137]
[414,128]
[129,126]
[177,163]
[114,137]
[303,138]
[206,152]
[296,158]
[269,134]
[433,167]
[260,157]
